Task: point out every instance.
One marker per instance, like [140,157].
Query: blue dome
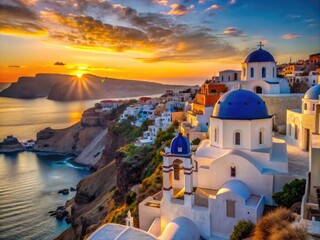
[259,55]
[313,93]
[240,104]
[180,145]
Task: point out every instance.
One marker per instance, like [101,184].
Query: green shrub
[292,193]
[130,198]
[196,141]
[241,230]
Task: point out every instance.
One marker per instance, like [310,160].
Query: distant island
[61,87]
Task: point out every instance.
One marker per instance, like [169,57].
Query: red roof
[144,99]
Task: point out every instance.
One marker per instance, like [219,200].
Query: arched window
[296,131]
[273,72]
[251,72]
[258,90]
[176,169]
[233,171]
[263,72]
[260,137]
[305,106]
[237,138]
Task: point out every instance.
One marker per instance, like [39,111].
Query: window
[313,106]
[235,76]
[260,137]
[258,90]
[179,149]
[237,138]
[263,72]
[244,72]
[228,78]
[176,172]
[251,72]
[295,131]
[273,72]
[213,90]
[305,106]
[233,171]
[222,78]
[216,135]
[231,208]
[176,169]
[290,130]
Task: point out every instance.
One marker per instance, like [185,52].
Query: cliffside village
[227,160]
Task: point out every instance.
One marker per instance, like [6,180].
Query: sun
[79,75]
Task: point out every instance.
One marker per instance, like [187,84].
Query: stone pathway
[298,160]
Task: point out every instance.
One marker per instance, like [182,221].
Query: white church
[230,177]
[258,74]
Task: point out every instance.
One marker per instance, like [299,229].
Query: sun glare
[79,75]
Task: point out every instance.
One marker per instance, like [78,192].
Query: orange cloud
[178,9]
[161,2]
[290,36]
[213,7]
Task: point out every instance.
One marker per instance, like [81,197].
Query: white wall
[223,225]
[219,173]
[257,66]
[147,214]
[249,131]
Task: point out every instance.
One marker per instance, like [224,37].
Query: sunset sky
[169,41]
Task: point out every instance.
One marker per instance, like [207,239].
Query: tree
[292,193]
[242,230]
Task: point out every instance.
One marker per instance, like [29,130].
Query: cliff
[33,87]
[69,88]
[108,194]
[93,201]
[73,139]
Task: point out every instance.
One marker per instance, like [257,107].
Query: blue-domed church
[230,177]
[259,74]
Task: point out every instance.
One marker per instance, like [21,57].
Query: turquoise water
[29,184]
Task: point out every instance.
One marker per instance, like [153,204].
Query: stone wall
[278,105]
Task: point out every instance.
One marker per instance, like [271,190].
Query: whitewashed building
[259,75]
[230,177]
[301,122]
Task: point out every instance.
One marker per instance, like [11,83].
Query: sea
[30,181]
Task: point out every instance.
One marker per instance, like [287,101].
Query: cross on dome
[260,45]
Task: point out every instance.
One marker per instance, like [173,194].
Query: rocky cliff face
[92,203]
[112,143]
[75,138]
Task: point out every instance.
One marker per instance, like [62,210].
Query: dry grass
[277,225]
